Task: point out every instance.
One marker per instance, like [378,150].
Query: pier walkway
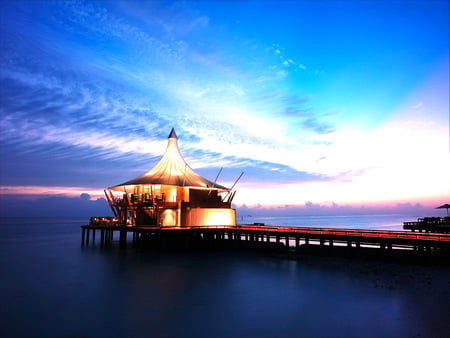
[288,239]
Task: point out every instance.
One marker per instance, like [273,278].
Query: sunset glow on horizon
[329,103]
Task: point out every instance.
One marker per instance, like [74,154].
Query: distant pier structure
[170,194]
[429,224]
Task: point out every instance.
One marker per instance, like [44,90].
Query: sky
[326,106]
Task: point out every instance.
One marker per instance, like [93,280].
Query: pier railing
[104,221]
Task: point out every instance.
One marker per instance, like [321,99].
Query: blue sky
[325,103]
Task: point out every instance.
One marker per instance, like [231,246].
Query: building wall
[209,217]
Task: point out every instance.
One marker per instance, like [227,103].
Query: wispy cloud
[417,106]
[81,117]
[85,118]
[286,63]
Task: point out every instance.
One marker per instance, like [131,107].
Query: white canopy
[171,169]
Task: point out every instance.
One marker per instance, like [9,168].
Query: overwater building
[171,194]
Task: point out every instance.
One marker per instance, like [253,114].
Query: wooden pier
[268,238]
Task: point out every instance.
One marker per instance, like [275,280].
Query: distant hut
[171,194]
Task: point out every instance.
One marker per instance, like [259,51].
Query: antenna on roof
[242,173]
[230,199]
[214,184]
[217,176]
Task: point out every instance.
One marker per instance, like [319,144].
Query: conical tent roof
[171,169]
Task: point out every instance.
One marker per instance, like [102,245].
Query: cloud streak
[36,192]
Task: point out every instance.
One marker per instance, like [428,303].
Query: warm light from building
[219,217]
[169,217]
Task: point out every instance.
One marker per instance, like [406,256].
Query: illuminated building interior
[171,194]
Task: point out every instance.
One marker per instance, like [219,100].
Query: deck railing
[104,221]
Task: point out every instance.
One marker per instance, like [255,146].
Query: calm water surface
[52,287]
[380,222]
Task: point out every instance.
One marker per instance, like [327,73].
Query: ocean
[379,222]
[52,287]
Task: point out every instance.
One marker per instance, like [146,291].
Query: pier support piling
[123,238]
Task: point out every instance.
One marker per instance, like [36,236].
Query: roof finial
[173,134]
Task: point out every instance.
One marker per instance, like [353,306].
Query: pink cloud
[34,191]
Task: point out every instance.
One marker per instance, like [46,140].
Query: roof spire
[171,169]
[173,134]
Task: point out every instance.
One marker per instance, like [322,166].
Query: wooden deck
[269,238]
